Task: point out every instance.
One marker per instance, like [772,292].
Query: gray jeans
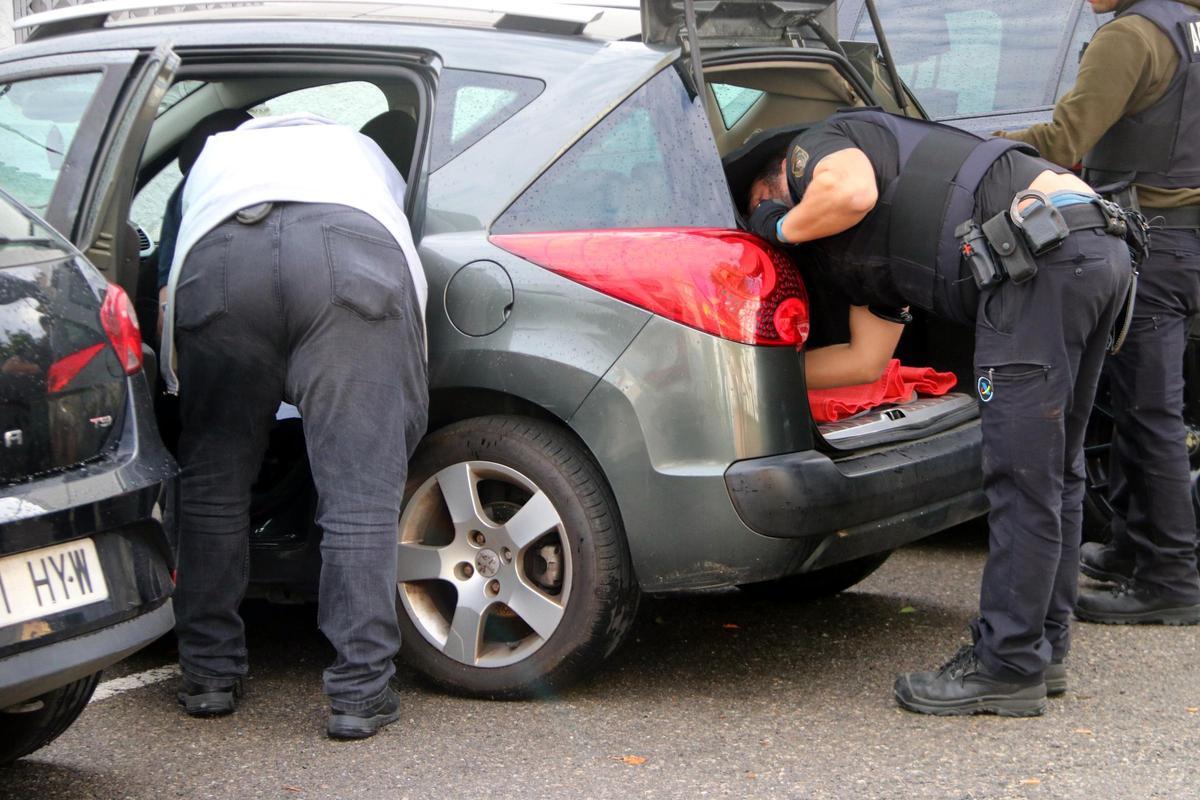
[314,305]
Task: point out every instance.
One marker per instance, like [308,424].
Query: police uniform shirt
[870,283]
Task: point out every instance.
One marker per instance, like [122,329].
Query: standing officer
[295,278]
[1135,112]
[892,205]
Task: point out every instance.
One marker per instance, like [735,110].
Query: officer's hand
[765,220]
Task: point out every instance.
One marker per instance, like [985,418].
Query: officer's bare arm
[841,193]
[862,360]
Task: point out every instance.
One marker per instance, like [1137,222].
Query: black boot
[1056,679]
[365,723]
[208,700]
[962,686]
[1133,603]
[1103,563]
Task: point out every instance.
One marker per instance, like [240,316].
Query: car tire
[571,607]
[819,583]
[22,732]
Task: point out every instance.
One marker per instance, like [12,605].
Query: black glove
[765,220]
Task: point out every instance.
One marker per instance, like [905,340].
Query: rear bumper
[865,502]
[33,673]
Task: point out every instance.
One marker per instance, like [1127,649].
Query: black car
[85,558]
[983,67]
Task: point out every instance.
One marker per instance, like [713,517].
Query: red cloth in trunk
[896,385]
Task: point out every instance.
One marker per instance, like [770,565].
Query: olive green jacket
[1126,68]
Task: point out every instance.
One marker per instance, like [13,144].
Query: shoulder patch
[799,161]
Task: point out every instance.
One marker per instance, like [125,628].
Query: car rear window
[38,121]
[970,58]
[734,101]
[650,163]
[471,104]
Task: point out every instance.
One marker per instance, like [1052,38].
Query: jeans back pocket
[369,275]
[201,295]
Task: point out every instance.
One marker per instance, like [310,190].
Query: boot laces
[963,663]
[1123,588]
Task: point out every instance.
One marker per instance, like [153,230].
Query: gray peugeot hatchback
[617,384]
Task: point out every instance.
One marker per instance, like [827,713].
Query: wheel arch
[448,405]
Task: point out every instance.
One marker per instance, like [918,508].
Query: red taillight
[121,325]
[66,368]
[725,282]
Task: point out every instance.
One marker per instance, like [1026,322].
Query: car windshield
[971,58]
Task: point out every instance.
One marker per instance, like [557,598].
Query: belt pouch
[1009,245]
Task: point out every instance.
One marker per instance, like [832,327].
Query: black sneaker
[207,700]
[1102,563]
[365,723]
[962,687]
[1133,603]
[1056,679]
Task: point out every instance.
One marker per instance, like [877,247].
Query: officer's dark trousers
[1154,524]
[315,305]
[1040,345]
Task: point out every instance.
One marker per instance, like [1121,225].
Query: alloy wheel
[484,566]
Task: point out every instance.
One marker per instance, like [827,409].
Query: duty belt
[1084,216]
[1182,218]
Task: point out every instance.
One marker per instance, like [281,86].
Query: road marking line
[150,677]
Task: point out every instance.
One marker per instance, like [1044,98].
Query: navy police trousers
[1039,350]
[1154,525]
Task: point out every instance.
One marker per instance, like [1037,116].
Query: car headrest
[742,164]
[395,132]
[217,122]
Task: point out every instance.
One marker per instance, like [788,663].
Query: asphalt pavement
[721,695]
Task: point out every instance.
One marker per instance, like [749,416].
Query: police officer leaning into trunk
[903,212]
[1135,112]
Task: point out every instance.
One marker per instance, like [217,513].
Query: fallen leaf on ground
[730,626]
[908,610]
[287,788]
[751,776]
[1085,731]
[636,761]
[1194,710]
[1031,781]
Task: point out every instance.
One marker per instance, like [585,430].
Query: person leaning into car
[884,229]
[1134,118]
[295,278]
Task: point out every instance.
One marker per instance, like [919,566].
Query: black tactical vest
[1160,145]
[910,231]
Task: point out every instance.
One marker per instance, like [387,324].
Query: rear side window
[470,105]
[650,163]
[38,122]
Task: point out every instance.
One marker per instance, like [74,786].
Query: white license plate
[47,581]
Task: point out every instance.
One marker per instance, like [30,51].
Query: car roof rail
[523,15]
